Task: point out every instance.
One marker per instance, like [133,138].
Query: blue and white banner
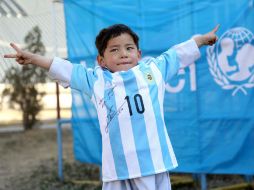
[209,107]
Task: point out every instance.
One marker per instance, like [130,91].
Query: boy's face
[121,54]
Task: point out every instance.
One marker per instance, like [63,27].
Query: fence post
[248,178]
[203,181]
[60,150]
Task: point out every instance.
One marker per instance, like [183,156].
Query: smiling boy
[128,94]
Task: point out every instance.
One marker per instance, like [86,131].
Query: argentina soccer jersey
[130,111]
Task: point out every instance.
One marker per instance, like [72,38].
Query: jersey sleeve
[187,52]
[177,57]
[75,76]
[60,71]
[82,79]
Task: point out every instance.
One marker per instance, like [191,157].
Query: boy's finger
[15,47]
[10,56]
[216,28]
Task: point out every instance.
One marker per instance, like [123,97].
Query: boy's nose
[124,53]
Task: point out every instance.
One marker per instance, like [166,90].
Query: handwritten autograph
[112,114]
[109,94]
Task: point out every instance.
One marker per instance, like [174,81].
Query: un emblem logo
[231,60]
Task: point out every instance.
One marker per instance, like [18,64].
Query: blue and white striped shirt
[129,104]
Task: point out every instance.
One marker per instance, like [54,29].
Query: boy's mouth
[124,63]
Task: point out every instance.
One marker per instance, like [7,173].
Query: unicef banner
[209,106]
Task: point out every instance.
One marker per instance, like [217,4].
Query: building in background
[17,17]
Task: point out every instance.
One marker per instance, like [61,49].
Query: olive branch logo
[221,79]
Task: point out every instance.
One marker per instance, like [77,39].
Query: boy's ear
[100,60]
[139,54]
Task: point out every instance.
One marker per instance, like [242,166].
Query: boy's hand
[22,57]
[207,39]
[25,58]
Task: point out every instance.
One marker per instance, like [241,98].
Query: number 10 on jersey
[139,104]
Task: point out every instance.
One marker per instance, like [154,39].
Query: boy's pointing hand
[211,37]
[207,39]
[22,57]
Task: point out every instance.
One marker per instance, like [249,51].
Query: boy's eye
[114,50]
[130,48]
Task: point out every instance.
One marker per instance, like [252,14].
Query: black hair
[111,32]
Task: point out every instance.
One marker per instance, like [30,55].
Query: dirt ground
[28,161]
[23,152]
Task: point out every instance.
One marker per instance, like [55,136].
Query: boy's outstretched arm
[25,58]
[207,39]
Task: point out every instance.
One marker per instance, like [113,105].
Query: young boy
[128,94]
